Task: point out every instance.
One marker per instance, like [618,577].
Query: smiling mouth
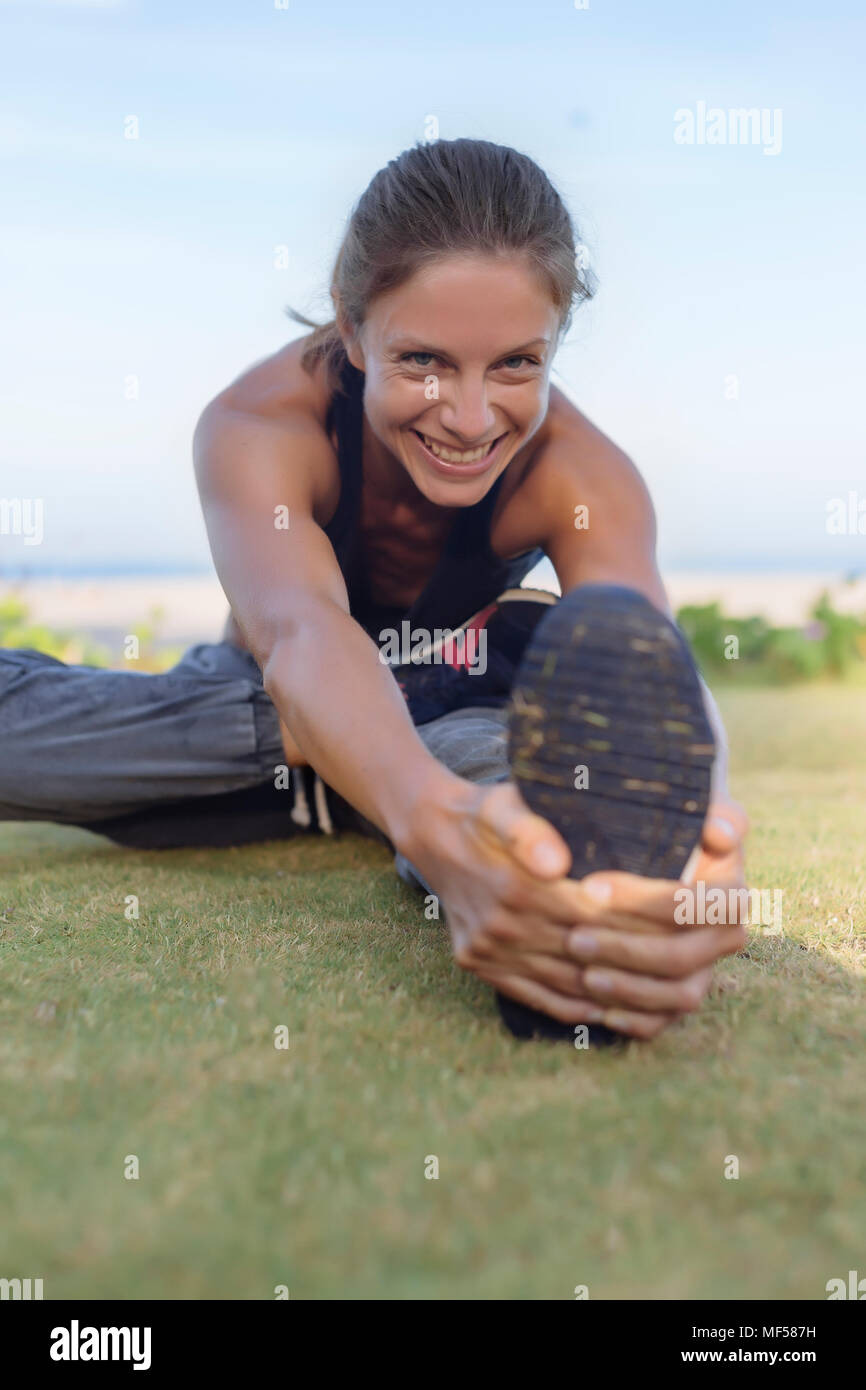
[449,455]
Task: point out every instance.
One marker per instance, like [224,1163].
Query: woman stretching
[551,772]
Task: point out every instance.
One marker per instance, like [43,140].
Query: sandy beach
[193,608]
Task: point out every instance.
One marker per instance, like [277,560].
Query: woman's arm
[615,540]
[260,484]
[634,941]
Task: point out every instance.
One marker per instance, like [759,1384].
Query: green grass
[305,1167]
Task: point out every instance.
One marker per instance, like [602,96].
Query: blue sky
[259,126]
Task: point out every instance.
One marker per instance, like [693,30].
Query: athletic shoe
[609,741]
[474,664]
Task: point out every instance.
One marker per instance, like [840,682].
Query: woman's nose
[466,413]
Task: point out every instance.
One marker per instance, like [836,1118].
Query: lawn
[305,1166]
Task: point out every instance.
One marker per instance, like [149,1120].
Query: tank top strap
[345,419]
[471,531]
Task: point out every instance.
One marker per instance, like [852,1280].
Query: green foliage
[844,638]
[17,630]
[831,644]
[76,649]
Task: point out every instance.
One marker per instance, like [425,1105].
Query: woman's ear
[350,337]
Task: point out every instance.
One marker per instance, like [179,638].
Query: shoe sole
[609,740]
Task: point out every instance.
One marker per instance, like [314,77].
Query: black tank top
[468,576]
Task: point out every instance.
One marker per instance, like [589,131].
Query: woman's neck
[385,475]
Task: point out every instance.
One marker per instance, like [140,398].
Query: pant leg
[81,745]
[184,757]
[471,739]
[473,743]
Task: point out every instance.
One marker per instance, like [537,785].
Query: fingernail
[597,982]
[599,890]
[591,1014]
[725,826]
[583,945]
[546,857]
[616,1021]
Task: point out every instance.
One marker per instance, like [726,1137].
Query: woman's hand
[647,967]
[603,949]
[499,871]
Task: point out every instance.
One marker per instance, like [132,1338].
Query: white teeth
[456,455]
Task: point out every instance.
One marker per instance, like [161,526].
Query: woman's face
[457,363]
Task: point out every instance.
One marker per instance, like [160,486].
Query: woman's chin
[452,492]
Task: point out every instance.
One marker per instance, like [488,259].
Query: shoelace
[321,801]
[301,814]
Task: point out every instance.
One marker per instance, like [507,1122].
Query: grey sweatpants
[83,746]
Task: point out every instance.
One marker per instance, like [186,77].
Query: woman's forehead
[465,301]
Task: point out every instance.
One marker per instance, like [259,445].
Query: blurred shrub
[16,630]
[830,644]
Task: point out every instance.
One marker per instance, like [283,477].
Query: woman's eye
[424,359]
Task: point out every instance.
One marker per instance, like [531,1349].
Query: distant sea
[105,569]
[17,572]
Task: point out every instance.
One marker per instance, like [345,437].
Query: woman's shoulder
[570,450]
[274,414]
[569,463]
[278,388]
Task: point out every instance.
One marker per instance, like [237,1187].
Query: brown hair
[438,198]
